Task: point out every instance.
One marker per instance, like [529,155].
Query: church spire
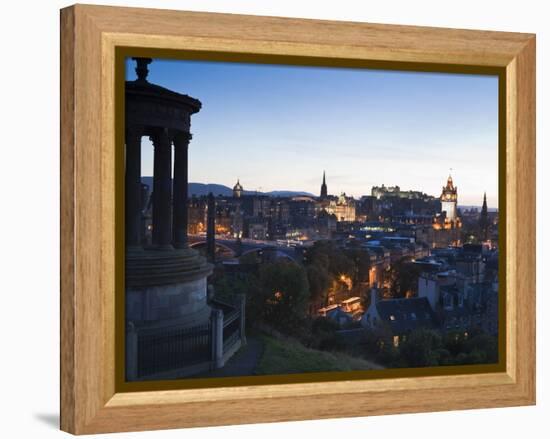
[484,219]
[324,193]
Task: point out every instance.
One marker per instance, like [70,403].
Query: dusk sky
[279,127]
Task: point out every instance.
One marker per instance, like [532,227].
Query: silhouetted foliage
[403,276]
[284,295]
[319,282]
[426,347]
[423,347]
[361,261]
[247,284]
[323,334]
[327,254]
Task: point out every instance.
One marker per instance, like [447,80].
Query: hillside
[202,189]
[289,356]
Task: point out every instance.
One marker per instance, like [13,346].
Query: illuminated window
[396,341]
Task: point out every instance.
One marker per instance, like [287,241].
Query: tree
[323,334]
[455,342]
[284,294]
[247,284]
[327,254]
[403,276]
[250,258]
[423,347]
[477,348]
[340,264]
[482,348]
[319,282]
[361,261]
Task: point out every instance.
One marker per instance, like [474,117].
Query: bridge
[227,248]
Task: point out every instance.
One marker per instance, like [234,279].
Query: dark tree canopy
[284,293]
[422,348]
[403,276]
[319,282]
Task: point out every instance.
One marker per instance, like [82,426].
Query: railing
[231,330]
[173,348]
[231,317]
[167,350]
[225,304]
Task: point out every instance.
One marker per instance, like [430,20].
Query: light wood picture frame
[92,39]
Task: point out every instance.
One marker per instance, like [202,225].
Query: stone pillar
[162,190]
[179,223]
[216,324]
[133,187]
[211,229]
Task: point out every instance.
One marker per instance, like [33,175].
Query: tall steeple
[324,193]
[484,219]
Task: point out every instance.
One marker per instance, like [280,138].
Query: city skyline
[377,127]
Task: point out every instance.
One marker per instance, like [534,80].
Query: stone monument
[166,283]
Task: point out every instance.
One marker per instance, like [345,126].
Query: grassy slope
[288,356]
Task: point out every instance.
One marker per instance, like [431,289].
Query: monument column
[211,229]
[162,190]
[133,187]
[181,145]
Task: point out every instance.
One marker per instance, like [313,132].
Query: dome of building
[237,190]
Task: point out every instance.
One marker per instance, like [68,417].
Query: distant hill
[288,194]
[202,189]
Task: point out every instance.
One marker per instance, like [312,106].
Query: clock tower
[449,200]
